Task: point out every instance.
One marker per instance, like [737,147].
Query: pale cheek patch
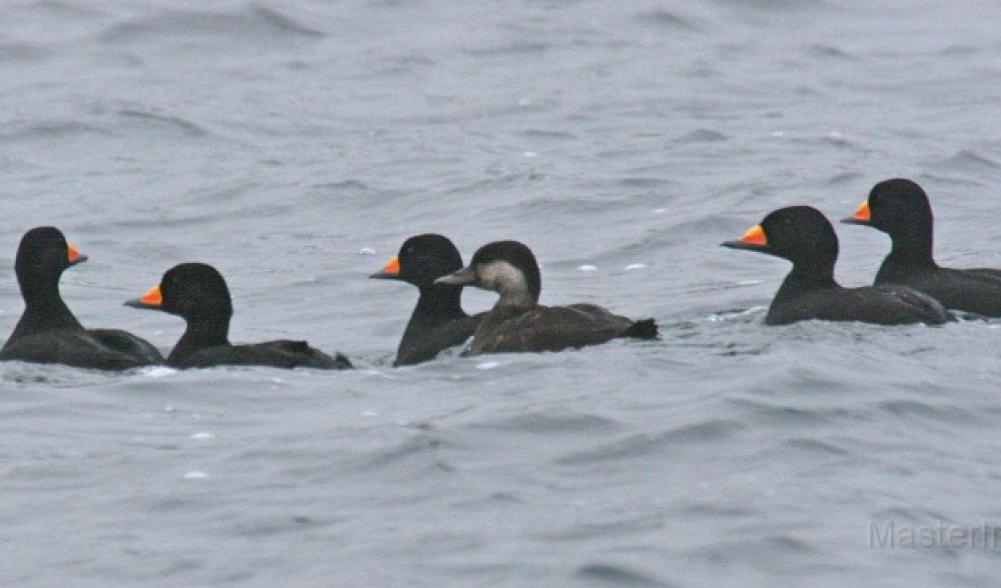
[501,276]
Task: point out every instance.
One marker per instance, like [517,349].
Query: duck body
[880,305]
[105,349]
[552,328]
[901,209]
[425,337]
[804,236]
[48,332]
[282,353]
[438,321]
[517,323]
[970,290]
[198,293]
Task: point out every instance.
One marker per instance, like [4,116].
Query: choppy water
[279,142]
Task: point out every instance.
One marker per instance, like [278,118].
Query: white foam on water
[159,371]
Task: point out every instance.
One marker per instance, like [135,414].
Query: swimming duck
[438,321]
[518,323]
[198,293]
[900,208]
[804,236]
[48,332]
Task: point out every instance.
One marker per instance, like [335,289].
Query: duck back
[553,328]
[882,305]
[107,349]
[282,353]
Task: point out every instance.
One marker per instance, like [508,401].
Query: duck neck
[516,298]
[912,247]
[806,277]
[436,306]
[201,333]
[44,308]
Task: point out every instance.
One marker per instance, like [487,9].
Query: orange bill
[73,253]
[390,271]
[152,297]
[755,236]
[863,214]
[392,266]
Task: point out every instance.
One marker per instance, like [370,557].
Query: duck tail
[644,329]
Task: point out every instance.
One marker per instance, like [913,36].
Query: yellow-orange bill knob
[152,297]
[863,213]
[392,266]
[755,236]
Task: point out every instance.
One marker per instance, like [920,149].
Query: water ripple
[604,574]
[668,20]
[152,120]
[250,24]
[636,446]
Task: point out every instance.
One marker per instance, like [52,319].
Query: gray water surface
[296,145]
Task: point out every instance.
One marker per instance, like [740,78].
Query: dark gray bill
[464,277]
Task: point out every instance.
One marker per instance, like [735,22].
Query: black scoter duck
[804,236]
[518,323]
[438,321]
[900,208]
[47,331]
[198,293]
